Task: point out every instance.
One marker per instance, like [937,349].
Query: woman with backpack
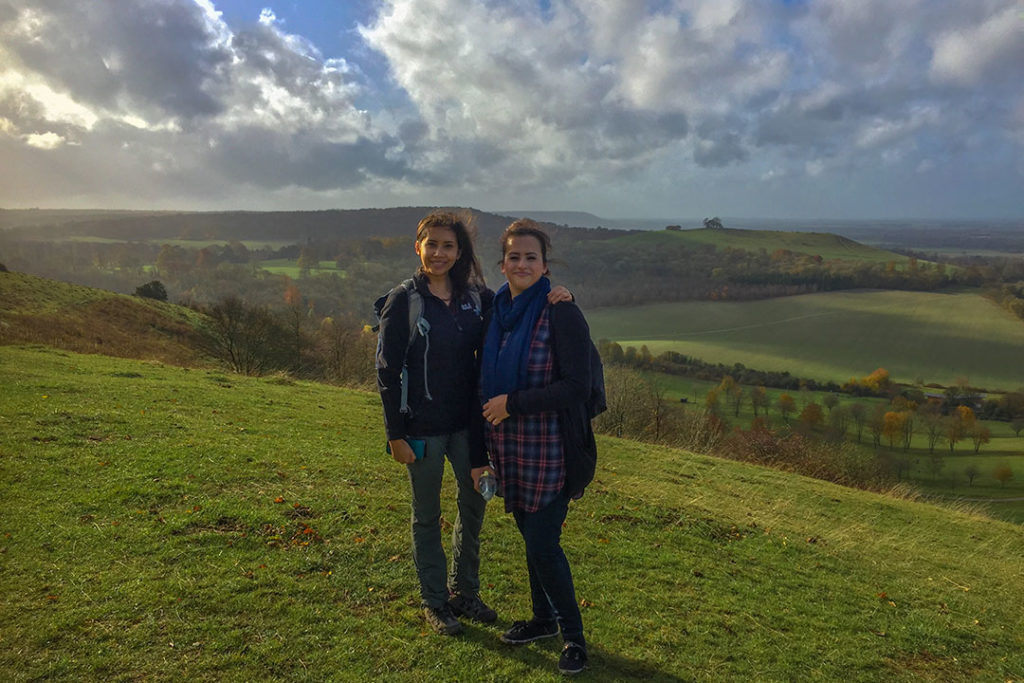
[535,381]
[427,368]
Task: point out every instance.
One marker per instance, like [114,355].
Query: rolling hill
[167,523]
[826,245]
[936,337]
[88,320]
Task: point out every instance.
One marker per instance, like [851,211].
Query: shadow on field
[542,656]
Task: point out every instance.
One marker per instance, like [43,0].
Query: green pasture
[162,523]
[186,243]
[948,481]
[934,337]
[290,267]
[826,245]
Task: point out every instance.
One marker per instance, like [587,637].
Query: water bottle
[488,485]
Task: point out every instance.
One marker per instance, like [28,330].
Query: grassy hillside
[88,320]
[937,337]
[826,245]
[165,523]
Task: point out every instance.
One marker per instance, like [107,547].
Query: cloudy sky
[624,108]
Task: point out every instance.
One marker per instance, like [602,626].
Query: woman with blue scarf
[427,369]
[535,363]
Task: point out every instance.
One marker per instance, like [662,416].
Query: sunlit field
[917,336]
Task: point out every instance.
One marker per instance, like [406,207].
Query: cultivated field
[934,337]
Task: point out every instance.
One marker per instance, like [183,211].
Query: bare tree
[242,336]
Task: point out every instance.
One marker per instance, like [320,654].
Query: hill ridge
[165,522]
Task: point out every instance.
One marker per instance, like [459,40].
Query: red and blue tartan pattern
[526,450]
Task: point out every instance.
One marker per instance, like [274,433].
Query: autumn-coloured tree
[711,402]
[966,416]
[878,381]
[733,393]
[953,431]
[838,422]
[931,423]
[859,413]
[786,405]
[892,426]
[980,435]
[876,423]
[959,424]
[811,416]
[908,429]
[205,259]
[1002,474]
[296,316]
[307,260]
[172,260]
[759,399]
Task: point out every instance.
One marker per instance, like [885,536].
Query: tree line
[822,440]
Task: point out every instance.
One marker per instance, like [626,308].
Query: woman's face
[523,263]
[438,251]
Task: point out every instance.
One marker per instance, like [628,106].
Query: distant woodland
[202,258]
[340,261]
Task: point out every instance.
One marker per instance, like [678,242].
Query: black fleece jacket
[452,366]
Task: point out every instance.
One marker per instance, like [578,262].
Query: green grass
[155,525]
[836,335]
[290,268]
[826,245]
[193,244]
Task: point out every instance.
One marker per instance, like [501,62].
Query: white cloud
[45,140]
[625,103]
[993,47]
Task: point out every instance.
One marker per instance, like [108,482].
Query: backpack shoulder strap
[474,295]
[416,320]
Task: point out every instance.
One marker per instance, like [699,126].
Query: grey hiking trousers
[427,547]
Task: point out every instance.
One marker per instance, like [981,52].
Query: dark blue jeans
[551,587]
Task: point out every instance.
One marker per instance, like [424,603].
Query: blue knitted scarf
[503,368]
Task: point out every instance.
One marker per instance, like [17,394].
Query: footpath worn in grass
[936,337]
[164,523]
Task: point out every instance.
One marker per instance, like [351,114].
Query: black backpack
[417,324]
[598,402]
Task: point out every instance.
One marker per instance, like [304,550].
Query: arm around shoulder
[570,337]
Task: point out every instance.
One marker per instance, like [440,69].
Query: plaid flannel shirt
[526,449]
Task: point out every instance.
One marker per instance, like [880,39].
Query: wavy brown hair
[466,272]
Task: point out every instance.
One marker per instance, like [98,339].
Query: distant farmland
[837,335]
[825,245]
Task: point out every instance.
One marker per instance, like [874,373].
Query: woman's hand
[478,472]
[559,293]
[496,409]
[401,451]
